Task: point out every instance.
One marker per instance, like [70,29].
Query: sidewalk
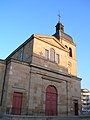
[24,117]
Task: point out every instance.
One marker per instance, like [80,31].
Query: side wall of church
[2,73]
[74,94]
[17,80]
[24,53]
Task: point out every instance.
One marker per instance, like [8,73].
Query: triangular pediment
[51,40]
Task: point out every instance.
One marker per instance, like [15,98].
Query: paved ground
[85,118]
[17,117]
[53,119]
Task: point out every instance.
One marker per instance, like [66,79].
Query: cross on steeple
[59,16]
[59,28]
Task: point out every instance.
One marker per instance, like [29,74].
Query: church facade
[40,77]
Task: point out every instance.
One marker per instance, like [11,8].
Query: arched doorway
[51,100]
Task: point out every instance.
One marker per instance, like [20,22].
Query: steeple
[59,28]
[60,32]
[59,25]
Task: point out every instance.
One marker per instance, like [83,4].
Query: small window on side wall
[57,58]
[70,52]
[21,56]
[46,54]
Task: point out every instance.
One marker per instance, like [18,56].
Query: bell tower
[59,29]
[68,42]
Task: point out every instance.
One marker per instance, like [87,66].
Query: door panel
[17,103]
[51,101]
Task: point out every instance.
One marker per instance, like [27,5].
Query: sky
[19,19]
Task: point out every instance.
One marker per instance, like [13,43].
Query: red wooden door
[17,103]
[51,100]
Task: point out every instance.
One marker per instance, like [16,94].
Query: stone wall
[16,80]
[2,73]
[26,50]
[32,81]
[68,90]
[41,61]
[72,61]
[47,43]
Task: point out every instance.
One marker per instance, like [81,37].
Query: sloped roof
[42,38]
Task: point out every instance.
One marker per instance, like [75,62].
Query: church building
[40,77]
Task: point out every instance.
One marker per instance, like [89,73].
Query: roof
[38,36]
[66,36]
[60,33]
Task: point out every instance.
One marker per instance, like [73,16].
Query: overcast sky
[19,19]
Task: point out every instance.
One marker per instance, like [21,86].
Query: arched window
[70,52]
[51,100]
[52,54]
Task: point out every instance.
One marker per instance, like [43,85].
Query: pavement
[24,117]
